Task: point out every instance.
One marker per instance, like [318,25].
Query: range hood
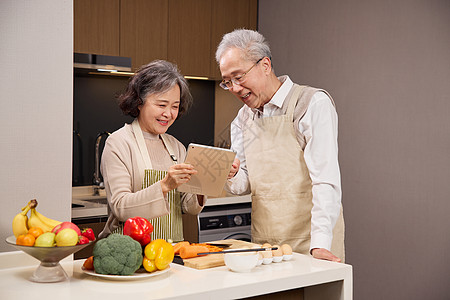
[94,64]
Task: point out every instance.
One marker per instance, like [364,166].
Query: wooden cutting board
[215,260]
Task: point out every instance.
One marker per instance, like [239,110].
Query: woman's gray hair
[157,77]
[253,44]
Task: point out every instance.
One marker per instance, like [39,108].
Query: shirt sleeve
[320,127]
[239,184]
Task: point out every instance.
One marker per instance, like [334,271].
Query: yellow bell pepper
[158,254]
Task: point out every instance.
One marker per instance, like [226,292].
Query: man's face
[252,89]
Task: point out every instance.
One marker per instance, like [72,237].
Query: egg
[267,254]
[266,245]
[286,249]
[277,252]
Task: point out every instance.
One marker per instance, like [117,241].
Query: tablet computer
[213,166]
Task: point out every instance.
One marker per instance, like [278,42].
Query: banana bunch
[21,222]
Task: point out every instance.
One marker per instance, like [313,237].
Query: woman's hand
[234,168]
[176,176]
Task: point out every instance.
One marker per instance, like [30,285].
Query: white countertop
[92,205]
[228,200]
[183,282]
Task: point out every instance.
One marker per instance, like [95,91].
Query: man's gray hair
[252,43]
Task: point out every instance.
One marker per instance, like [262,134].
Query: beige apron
[280,184]
[169,226]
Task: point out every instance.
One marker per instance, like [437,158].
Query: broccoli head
[117,255]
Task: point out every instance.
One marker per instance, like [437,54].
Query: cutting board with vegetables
[215,260]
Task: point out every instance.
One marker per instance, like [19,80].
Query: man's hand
[321,253]
[234,168]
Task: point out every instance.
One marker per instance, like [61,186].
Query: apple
[66,237]
[46,239]
[65,225]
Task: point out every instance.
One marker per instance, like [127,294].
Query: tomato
[25,240]
[35,231]
[89,263]
[149,265]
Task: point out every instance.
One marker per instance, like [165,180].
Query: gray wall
[387,65]
[36,109]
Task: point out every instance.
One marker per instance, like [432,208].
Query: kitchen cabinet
[225,17]
[196,28]
[96,27]
[189,36]
[143,30]
[185,32]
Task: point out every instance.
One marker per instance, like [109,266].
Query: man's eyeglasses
[238,80]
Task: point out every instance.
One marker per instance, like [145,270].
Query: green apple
[66,237]
[46,239]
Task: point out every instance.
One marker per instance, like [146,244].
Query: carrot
[191,251]
[179,245]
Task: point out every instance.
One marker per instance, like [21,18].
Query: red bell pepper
[138,229]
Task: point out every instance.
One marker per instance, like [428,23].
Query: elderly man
[285,137]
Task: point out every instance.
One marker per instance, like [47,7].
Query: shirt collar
[282,92]
[280,95]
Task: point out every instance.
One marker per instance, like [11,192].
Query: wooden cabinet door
[96,27]
[143,30]
[189,44]
[227,16]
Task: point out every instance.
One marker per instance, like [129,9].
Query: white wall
[387,65]
[36,109]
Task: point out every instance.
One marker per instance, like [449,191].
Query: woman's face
[159,111]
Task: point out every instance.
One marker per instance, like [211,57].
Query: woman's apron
[280,184]
[169,226]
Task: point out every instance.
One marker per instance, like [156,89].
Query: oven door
[223,222]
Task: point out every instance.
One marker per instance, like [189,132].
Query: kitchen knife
[239,250]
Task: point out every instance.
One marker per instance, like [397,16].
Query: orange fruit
[89,263]
[25,240]
[35,231]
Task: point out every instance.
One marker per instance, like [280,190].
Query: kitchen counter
[319,280]
[87,205]
[228,200]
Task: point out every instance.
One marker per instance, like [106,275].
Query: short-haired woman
[141,163]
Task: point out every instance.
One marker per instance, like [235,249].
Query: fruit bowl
[50,270]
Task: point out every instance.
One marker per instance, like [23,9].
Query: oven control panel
[225,221]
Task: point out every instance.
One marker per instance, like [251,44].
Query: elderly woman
[141,164]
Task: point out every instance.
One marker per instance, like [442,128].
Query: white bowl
[241,262]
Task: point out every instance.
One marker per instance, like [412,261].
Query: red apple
[65,225]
